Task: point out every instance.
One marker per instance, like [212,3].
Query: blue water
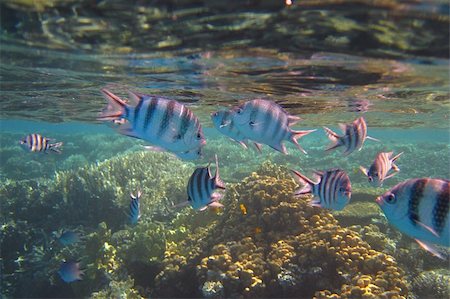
[325,61]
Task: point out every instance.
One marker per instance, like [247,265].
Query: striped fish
[201,186]
[353,139]
[378,171]
[38,143]
[223,121]
[266,122]
[135,208]
[332,191]
[163,122]
[420,208]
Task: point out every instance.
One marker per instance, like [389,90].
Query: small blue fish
[420,208]
[165,123]
[68,238]
[266,122]
[201,188]
[135,208]
[378,171]
[70,272]
[332,191]
[38,143]
[353,139]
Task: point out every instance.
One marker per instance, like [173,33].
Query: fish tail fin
[292,120]
[217,180]
[296,135]
[56,147]
[115,108]
[308,183]
[335,139]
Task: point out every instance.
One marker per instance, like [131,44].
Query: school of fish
[417,207]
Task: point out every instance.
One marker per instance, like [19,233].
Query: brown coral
[282,246]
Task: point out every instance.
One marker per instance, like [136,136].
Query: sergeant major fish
[201,186]
[420,208]
[332,191]
[68,238]
[266,122]
[223,121]
[135,208]
[38,143]
[353,139]
[163,122]
[378,171]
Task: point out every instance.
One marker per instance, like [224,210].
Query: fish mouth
[379,200]
[203,142]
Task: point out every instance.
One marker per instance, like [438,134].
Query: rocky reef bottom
[264,243]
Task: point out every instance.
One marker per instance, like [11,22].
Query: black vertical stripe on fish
[150,112]
[276,132]
[268,120]
[185,120]
[137,109]
[323,183]
[334,180]
[415,196]
[441,207]
[168,114]
[200,179]
[205,183]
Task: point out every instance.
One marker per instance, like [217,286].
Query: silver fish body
[38,143]
[353,139]
[201,186]
[420,208]
[70,272]
[379,170]
[223,122]
[266,122]
[332,191]
[163,122]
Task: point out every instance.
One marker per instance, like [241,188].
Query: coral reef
[431,284]
[281,247]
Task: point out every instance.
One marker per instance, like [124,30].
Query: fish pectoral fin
[226,123]
[391,175]
[180,205]
[364,170]
[258,147]
[128,131]
[427,228]
[395,168]
[431,248]
[215,204]
[153,148]
[374,139]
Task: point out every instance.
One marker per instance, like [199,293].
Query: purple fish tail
[308,183]
[56,147]
[296,135]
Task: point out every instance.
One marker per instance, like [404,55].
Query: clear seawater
[326,61]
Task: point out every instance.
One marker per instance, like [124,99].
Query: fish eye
[199,136]
[215,113]
[391,198]
[370,179]
[239,110]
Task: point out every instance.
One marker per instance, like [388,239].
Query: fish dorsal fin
[135,97]
[258,147]
[209,170]
[396,157]
[217,180]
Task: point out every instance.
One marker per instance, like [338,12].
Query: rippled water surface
[327,61]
